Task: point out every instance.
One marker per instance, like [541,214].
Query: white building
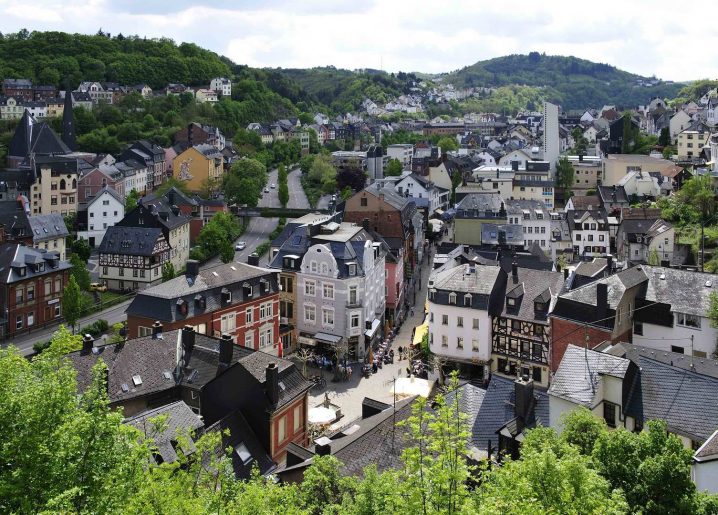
[534,219]
[425,194]
[222,86]
[102,211]
[462,301]
[404,152]
[551,141]
[589,232]
[675,316]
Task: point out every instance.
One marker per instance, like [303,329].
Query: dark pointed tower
[68,125]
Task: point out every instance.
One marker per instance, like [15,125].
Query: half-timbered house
[131,258]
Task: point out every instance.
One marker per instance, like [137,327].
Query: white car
[266,190]
[274,185]
[240,246]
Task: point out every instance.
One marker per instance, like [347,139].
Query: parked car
[98,287]
[274,185]
[266,190]
[240,246]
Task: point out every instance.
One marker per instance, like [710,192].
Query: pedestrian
[401,352]
[412,311]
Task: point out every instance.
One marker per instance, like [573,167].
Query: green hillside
[574,83]
[57,58]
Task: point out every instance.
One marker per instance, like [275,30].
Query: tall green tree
[80,272]
[448,144]
[283,193]
[393,168]
[131,200]
[226,251]
[82,249]
[565,175]
[72,302]
[168,271]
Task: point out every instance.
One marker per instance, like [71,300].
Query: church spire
[68,125]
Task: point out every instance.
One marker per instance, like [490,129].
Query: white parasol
[409,386]
[321,415]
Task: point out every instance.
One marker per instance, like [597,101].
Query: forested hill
[574,83]
[59,58]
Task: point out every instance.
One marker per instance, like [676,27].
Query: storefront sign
[306,341]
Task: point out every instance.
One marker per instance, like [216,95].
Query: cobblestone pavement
[348,395]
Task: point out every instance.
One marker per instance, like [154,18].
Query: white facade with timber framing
[131,258]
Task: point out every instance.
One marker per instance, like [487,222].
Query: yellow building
[691,142]
[200,167]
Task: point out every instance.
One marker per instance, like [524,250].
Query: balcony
[356,303]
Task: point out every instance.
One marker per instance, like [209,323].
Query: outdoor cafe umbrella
[321,415]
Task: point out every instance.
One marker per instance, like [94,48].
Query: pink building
[395,284]
[92,182]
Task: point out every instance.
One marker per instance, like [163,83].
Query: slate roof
[576,217]
[240,432]
[491,409]
[709,450]
[47,227]
[12,254]
[583,202]
[108,190]
[291,381]
[613,195]
[481,202]
[14,218]
[592,268]
[160,302]
[33,137]
[579,378]
[617,286]
[517,207]
[536,285]
[181,422]
[481,284]
[684,291]
[634,227]
[513,234]
[686,400]
[130,241]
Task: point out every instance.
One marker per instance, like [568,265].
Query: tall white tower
[551,145]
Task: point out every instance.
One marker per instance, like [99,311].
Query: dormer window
[226,296]
[352,269]
[467,300]
[181,307]
[247,290]
[432,294]
[510,302]
[540,306]
[452,298]
[200,302]
[265,286]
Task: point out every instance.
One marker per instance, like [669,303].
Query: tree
[581,143]
[305,164]
[226,252]
[80,272]
[283,192]
[653,258]
[353,178]
[448,144]
[72,302]
[565,175]
[393,168]
[323,174]
[131,200]
[582,429]
[664,139]
[82,249]
[168,271]
[244,191]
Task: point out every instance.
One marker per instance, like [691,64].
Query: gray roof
[461,279]
[686,400]
[517,207]
[579,378]
[617,286]
[13,256]
[537,286]
[47,227]
[513,234]
[108,190]
[130,241]
[181,422]
[592,268]
[684,291]
[480,201]
[613,195]
[709,449]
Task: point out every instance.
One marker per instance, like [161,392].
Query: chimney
[187,338]
[515,272]
[225,349]
[157,330]
[601,300]
[565,273]
[253,259]
[171,196]
[580,158]
[272,376]
[365,224]
[175,210]
[192,268]
[609,263]
[523,397]
[87,343]
[323,446]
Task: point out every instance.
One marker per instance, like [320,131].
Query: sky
[647,37]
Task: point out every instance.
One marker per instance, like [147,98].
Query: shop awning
[329,338]
[305,340]
[369,333]
[421,330]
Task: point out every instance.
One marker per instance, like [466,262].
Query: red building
[237,299]
[31,285]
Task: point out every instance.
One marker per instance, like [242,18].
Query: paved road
[271,198]
[257,233]
[25,342]
[297,198]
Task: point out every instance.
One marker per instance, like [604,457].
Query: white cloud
[409,35]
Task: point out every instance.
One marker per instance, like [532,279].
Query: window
[265,337]
[281,429]
[352,295]
[48,288]
[352,269]
[58,285]
[459,343]
[460,321]
[677,349]
[452,298]
[475,345]
[444,319]
[309,288]
[249,316]
[431,316]
[475,323]
[355,320]
[228,322]
[310,314]
[364,202]
[19,294]
[249,339]
[537,374]
[510,302]
[104,270]
[578,237]
[444,340]
[467,300]
[609,413]
[265,310]
[134,272]
[328,317]
[121,272]
[601,237]
[686,320]
[18,322]
[314,267]
[297,418]
[327,290]
[30,292]
[287,284]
